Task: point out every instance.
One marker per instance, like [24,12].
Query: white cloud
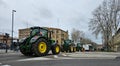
[64,14]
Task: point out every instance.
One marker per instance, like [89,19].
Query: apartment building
[4,39]
[57,34]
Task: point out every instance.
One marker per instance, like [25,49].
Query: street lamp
[12,27]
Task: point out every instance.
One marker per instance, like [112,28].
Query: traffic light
[7,35]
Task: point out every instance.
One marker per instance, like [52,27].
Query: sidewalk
[3,51]
[99,55]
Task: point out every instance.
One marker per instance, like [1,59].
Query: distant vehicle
[87,47]
[3,46]
[68,46]
[79,47]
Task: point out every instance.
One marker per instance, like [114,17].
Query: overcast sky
[64,14]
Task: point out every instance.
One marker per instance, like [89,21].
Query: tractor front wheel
[55,49]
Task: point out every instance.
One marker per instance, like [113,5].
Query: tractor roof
[37,27]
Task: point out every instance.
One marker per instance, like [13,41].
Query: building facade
[116,41]
[5,40]
[24,33]
[57,34]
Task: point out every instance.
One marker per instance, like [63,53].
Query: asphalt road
[17,59]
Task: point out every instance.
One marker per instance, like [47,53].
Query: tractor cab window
[34,32]
[67,41]
[43,32]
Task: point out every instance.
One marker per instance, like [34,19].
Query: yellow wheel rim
[72,49]
[75,49]
[42,47]
[57,49]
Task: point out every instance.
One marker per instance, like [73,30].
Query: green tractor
[38,43]
[79,47]
[68,46]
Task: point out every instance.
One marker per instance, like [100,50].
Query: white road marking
[71,56]
[66,58]
[38,58]
[55,56]
[0,63]
[5,65]
[64,55]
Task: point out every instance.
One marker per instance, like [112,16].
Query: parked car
[3,46]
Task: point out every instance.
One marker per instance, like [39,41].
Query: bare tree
[85,40]
[106,19]
[76,34]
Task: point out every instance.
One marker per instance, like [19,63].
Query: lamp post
[12,28]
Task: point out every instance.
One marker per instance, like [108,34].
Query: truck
[87,47]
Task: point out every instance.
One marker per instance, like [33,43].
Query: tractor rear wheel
[55,49]
[22,50]
[41,47]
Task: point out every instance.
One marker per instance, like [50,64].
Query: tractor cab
[38,31]
[67,42]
